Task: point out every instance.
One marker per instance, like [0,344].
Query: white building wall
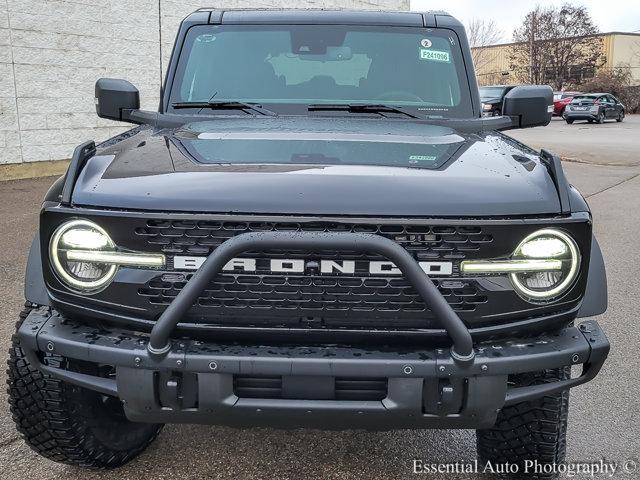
[53,51]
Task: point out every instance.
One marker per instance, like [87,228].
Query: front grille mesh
[186,237]
[264,298]
[315,301]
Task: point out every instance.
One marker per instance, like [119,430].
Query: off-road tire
[534,430]
[66,423]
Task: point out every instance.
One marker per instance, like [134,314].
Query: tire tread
[532,430]
[51,420]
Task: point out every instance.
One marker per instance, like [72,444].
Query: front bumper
[195,381]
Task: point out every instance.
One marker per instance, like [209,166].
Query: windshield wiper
[226,105]
[360,108]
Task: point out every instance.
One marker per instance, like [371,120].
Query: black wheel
[590,121]
[534,430]
[69,424]
[620,117]
[569,120]
[600,118]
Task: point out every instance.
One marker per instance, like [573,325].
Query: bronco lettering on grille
[345,267]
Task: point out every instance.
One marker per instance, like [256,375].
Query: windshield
[491,92]
[326,64]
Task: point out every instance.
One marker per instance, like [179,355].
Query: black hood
[481,175]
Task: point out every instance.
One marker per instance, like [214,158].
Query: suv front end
[380,262]
[318,331]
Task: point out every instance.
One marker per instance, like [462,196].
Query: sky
[612,15]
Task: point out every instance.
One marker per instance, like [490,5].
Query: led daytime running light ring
[60,270]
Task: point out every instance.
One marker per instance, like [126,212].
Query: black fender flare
[595,296]
[35,291]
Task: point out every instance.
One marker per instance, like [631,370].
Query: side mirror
[115,99]
[529,105]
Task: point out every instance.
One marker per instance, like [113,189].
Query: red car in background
[561,100]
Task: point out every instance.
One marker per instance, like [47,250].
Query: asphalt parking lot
[611,143]
[604,422]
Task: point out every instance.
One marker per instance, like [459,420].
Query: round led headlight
[87,237]
[85,258]
[554,259]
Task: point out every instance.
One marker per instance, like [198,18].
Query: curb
[48,168]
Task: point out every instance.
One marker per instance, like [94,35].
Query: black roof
[335,17]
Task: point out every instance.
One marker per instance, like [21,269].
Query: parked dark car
[594,107]
[302,236]
[561,100]
[492,97]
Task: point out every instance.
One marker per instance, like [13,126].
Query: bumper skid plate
[197,382]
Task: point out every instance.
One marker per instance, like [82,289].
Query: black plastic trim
[554,166]
[544,219]
[321,17]
[81,154]
[426,337]
[595,296]
[409,372]
[599,349]
[35,290]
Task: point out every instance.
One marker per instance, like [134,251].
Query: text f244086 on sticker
[434,55]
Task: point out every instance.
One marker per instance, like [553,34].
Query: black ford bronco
[317,228]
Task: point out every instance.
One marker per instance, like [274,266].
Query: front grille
[313,301]
[427,242]
[344,388]
[323,307]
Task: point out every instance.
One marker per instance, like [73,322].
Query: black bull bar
[462,343]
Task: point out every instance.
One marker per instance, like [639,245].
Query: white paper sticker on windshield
[434,55]
[426,43]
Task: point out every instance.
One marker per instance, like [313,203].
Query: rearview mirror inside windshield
[333,54]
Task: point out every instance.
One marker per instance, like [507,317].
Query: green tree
[556,45]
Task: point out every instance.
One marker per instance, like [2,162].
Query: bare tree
[483,33]
[556,45]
